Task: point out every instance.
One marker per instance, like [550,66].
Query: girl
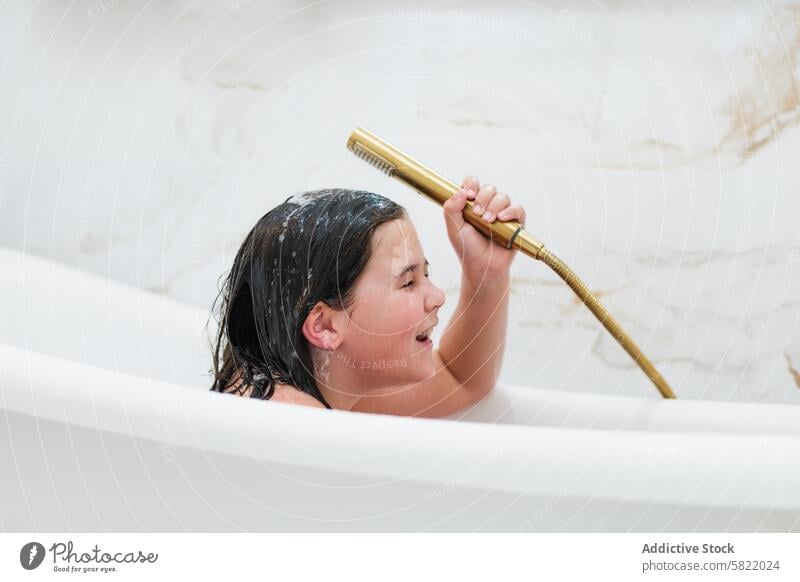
[329,304]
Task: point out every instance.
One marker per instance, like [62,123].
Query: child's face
[391,308]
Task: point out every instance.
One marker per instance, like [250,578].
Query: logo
[31,555]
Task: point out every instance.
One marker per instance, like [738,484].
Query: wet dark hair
[310,248]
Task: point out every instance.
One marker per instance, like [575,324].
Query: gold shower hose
[396,164]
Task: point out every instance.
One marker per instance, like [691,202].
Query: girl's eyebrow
[409,268]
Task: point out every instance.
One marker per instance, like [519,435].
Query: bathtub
[108,425]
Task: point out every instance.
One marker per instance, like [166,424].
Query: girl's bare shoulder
[291,395]
[282,393]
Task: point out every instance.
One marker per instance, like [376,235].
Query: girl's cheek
[399,313]
[392,319]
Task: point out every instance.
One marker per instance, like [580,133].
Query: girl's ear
[321,327]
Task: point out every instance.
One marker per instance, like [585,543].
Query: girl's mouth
[427,342]
[424,337]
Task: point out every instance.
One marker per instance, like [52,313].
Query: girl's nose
[434,299]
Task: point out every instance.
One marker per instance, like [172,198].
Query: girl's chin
[425,358]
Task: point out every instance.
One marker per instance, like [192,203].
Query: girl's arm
[473,343]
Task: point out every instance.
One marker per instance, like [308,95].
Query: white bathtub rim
[221,423]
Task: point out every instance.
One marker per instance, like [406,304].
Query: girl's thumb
[453,212]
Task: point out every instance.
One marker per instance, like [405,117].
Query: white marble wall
[655,146]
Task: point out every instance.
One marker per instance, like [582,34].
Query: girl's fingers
[498,203]
[513,212]
[472,185]
[484,197]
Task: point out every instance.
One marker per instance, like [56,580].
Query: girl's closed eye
[411,282]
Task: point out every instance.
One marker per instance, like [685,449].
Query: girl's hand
[480,257]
